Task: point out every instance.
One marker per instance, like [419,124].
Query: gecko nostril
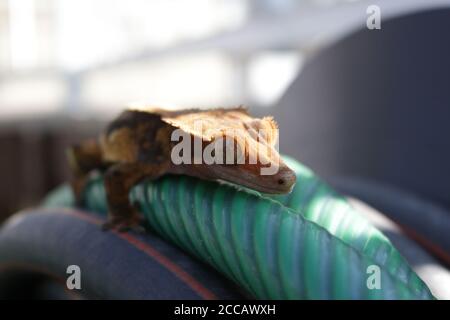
[280,181]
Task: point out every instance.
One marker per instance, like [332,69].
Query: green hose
[310,244]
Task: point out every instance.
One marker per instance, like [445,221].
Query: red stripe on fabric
[437,251]
[153,253]
[180,273]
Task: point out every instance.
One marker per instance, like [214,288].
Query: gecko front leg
[118,180]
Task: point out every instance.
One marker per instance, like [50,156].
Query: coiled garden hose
[310,244]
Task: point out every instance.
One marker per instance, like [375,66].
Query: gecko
[139,144]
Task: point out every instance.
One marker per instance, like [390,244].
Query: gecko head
[235,147]
[250,176]
[250,159]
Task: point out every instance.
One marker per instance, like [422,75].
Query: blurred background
[67,67]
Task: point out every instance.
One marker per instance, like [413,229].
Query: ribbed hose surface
[310,244]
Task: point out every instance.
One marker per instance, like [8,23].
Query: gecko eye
[280,181]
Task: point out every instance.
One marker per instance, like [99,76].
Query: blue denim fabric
[113,265]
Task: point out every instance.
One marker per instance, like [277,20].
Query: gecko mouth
[278,184]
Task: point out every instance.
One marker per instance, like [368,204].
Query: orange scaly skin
[138,145]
